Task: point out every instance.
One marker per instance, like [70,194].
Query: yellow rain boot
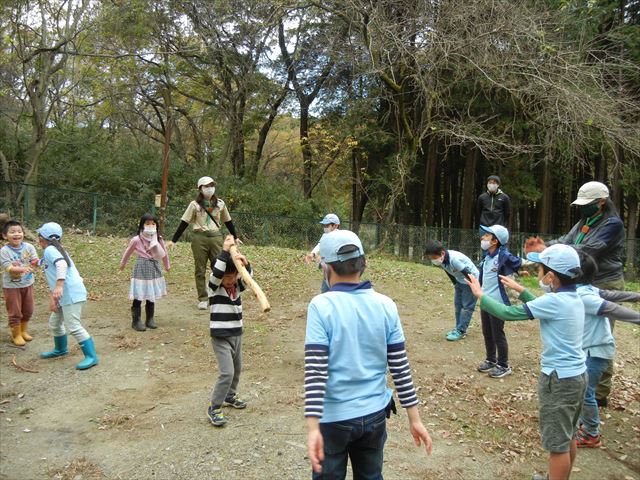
[16,332]
[23,330]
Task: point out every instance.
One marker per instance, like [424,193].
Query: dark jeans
[494,339]
[360,439]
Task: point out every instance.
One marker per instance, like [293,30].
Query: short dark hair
[351,266]
[433,247]
[589,268]
[565,280]
[9,224]
[231,267]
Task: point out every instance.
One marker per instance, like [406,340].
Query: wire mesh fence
[100,214]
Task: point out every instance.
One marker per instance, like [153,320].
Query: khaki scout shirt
[201,221]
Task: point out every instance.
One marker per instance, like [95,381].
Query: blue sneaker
[216,417]
[455,335]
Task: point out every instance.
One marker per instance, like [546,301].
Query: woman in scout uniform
[207,213]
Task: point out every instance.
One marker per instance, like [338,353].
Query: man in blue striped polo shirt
[353,334]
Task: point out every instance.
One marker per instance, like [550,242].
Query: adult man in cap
[494,206]
[600,233]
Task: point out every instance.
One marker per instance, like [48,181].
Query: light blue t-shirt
[73,290]
[17,257]
[356,326]
[597,340]
[490,280]
[457,263]
[561,316]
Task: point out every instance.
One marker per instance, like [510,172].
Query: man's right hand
[170,244]
[308,258]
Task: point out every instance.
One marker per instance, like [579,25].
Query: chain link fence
[100,214]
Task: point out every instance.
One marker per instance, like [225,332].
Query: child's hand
[476,288]
[420,435]
[57,293]
[121,267]
[53,304]
[511,283]
[168,269]
[242,259]
[229,242]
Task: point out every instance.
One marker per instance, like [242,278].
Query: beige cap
[590,192]
[205,181]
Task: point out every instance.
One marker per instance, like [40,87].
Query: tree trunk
[545,204]
[307,158]
[632,203]
[468,196]
[430,181]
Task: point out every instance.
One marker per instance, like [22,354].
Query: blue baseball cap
[331,243]
[559,258]
[501,233]
[330,218]
[50,230]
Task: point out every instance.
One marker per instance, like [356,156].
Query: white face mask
[208,192]
[485,244]
[437,262]
[545,288]
[149,231]
[492,187]
[327,229]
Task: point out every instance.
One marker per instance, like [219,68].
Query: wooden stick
[249,281]
[20,367]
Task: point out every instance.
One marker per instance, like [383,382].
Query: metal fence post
[95,212]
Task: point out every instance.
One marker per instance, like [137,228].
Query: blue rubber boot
[59,349]
[90,357]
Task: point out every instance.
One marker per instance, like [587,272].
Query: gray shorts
[560,402]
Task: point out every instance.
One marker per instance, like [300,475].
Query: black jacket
[604,242]
[494,209]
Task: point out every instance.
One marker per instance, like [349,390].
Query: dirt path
[141,413]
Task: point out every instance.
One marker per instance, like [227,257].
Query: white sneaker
[203,305]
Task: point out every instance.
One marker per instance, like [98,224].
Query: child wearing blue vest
[457,266]
[598,342]
[496,261]
[68,296]
[353,335]
[563,378]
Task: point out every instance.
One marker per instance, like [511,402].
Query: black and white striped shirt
[225,319]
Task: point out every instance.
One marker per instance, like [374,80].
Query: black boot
[149,309]
[136,313]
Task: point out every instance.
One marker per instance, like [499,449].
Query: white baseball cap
[501,233]
[205,181]
[330,218]
[559,258]
[331,243]
[590,192]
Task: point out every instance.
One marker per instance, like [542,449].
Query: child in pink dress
[147,281]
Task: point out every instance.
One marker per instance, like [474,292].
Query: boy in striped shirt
[225,326]
[353,334]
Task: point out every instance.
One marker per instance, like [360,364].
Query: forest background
[390,111]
